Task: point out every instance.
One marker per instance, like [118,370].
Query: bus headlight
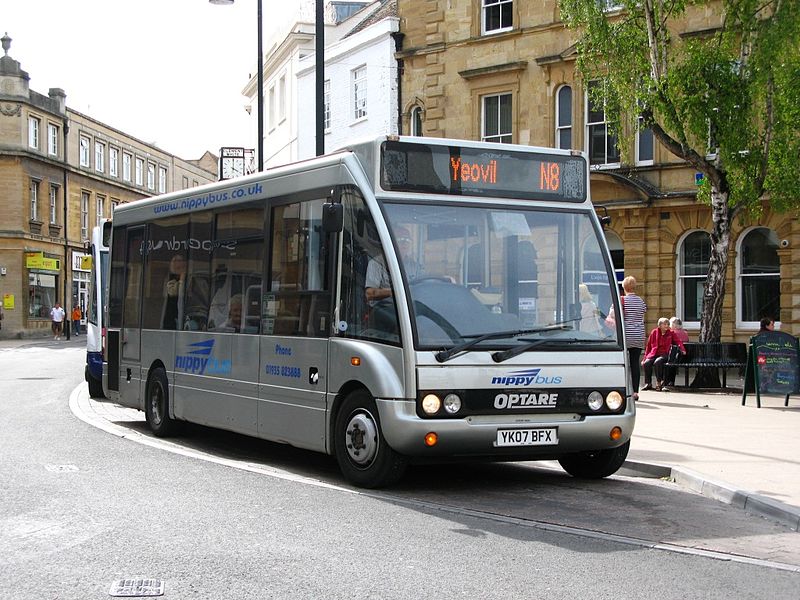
[614,400]
[431,404]
[452,403]
[595,400]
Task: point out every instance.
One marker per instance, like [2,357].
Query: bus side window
[300,254]
[234,270]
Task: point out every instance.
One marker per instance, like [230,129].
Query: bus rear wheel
[364,457]
[156,405]
[595,464]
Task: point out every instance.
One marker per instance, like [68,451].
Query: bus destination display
[430,168]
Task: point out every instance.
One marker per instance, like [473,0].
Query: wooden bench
[716,355]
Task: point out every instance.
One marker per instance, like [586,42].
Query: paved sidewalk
[709,442]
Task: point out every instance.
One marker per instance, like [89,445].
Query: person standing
[172,311]
[57,315]
[633,309]
[76,320]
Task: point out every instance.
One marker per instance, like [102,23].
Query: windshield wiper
[500,356]
[446,355]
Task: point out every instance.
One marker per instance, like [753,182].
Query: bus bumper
[477,435]
[94,365]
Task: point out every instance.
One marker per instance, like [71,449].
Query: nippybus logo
[525,378]
[199,360]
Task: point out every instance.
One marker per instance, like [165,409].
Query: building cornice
[492,69]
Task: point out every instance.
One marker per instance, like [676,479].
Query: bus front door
[130,368]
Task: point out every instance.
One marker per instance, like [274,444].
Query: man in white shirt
[57,316]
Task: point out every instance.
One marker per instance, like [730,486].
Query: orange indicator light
[431,439]
[615,434]
[355,361]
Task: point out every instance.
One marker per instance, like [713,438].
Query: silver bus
[403,300]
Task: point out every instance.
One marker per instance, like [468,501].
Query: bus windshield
[540,275]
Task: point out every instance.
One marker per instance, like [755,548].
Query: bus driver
[378,283]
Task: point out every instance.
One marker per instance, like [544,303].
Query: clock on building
[231,162]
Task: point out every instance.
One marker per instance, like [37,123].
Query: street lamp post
[260,83]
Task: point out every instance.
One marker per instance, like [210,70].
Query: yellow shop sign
[37,260]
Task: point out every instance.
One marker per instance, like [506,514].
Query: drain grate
[129,588]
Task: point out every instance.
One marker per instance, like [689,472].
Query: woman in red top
[656,352]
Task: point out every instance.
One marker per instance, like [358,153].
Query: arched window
[758,277]
[564,117]
[694,253]
[415,123]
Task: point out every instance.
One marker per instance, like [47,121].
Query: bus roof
[364,156]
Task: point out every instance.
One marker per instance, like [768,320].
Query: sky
[168,72]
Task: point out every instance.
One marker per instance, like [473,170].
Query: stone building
[504,70]
[61,173]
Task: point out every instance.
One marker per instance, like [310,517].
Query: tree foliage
[735,84]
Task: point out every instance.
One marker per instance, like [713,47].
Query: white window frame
[113,161]
[567,126]
[99,156]
[84,215]
[127,159]
[52,139]
[162,180]
[504,7]
[139,168]
[359,79]
[639,129]
[680,277]
[500,135]
[151,176]
[84,142]
[282,99]
[100,207]
[610,5]
[34,124]
[271,108]
[34,193]
[604,123]
[326,105]
[739,260]
[53,204]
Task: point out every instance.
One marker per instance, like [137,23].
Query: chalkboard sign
[773,365]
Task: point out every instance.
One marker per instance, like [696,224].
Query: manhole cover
[128,588]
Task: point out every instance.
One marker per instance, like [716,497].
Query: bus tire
[95,387]
[595,464]
[156,405]
[364,457]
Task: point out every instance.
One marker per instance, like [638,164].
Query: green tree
[736,85]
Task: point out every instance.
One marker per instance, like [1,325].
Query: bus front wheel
[364,457]
[156,406]
[595,464]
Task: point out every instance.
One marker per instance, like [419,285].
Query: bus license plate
[527,437]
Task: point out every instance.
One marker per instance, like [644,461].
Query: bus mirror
[332,217]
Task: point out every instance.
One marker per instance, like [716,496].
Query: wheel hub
[362,438]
